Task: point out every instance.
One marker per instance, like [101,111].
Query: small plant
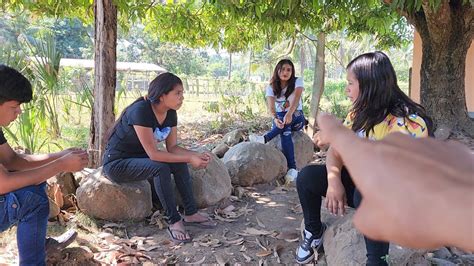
[211,107]
[339,108]
[27,135]
[387,259]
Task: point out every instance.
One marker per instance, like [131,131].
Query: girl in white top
[285,104]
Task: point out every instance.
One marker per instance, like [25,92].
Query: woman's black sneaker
[310,244]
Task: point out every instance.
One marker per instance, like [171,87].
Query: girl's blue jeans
[27,207]
[297,123]
[159,174]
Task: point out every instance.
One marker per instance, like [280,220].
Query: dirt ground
[262,226]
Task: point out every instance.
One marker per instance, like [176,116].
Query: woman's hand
[278,123]
[200,160]
[288,118]
[317,140]
[336,198]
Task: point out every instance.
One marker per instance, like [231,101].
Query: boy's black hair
[14,86]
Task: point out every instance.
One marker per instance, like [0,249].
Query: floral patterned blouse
[415,126]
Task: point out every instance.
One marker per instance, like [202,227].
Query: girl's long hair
[379,94]
[275,81]
[161,85]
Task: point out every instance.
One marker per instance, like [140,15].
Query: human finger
[333,207]
[341,208]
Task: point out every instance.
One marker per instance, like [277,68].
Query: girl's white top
[281,103]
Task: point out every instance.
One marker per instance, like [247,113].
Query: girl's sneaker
[310,245]
[257,138]
[291,175]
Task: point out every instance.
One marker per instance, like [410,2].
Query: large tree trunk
[105,77]
[318,82]
[446,36]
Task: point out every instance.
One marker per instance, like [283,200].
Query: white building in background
[129,75]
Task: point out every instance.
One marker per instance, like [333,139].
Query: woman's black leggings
[312,185]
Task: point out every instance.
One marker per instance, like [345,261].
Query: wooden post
[197,87]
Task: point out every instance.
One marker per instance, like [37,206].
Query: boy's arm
[71,162]
[16,162]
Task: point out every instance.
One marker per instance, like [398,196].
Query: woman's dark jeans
[28,208]
[312,185]
[297,123]
[136,169]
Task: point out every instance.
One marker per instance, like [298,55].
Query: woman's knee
[177,168]
[161,170]
[310,174]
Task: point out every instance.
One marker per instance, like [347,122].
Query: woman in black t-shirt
[132,154]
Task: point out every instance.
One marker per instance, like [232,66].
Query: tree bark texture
[302,59]
[318,82]
[104,78]
[446,35]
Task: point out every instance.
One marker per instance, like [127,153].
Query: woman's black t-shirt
[124,142]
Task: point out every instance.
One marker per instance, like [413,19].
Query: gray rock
[234,137]
[442,132]
[220,150]
[254,163]
[210,185]
[442,253]
[101,198]
[304,147]
[79,176]
[344,245]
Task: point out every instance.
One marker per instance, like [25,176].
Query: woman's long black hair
[161,85]
[275,81]
[379,94]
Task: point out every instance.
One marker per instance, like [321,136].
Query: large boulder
[234,137]
[210,185]
[344,245]
[101,198]
[304,147]
[253,163]
[220,150]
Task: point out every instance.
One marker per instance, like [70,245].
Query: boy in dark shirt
[23,199]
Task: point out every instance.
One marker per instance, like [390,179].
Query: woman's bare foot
[178,231]
[199,220]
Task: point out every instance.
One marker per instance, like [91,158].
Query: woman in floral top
[379,108]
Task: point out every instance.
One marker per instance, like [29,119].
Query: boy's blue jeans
[27,207]
[297,123]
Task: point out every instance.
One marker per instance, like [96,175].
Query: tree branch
[335,56]
[291,45]
[307,37]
